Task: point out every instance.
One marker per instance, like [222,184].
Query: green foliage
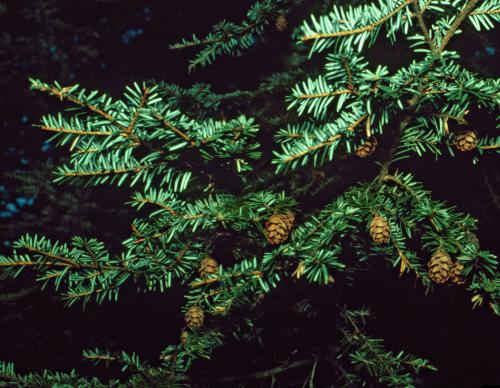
[201,180]
[233,39]
[46,379]
[367,354]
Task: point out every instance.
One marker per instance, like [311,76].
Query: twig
[423,27]
[460,18]
[326,94]
[358,30]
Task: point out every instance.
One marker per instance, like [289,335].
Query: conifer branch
[65,262]
[169,125]
[218,279]
[130,128]
[61,94]
[325,94]
[151,202]
[485,12]
[423,27]
[75,131]
[315,147]
[114,171]
[358,30]
[471,4]
[353,126]
[490,147]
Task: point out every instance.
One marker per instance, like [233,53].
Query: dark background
[108,44]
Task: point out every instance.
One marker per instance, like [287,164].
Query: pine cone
[379,230]
[184,337]
[194,317]
[456,273]
[439,267]
[278,227]
[367,148]
[281,23]
[207,266]
[465,141]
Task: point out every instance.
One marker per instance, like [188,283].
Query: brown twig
[326,94]
[62,96]
[460,18]
[130,127]
[358,30]
[74,131]
[423,27]
[169,125]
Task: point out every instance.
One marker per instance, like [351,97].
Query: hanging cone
[465,141]
[278,227]
[456,273]
[379,230]
[367,148]
[194,317]
[184,337]
[439,267]
[207,266]
[281,23]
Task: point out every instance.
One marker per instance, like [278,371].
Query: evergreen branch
[325,94]
[169,125]
[218,279]
[167,208]
[457,22]
[224,37]
[65,262]
[485,12]
[353,126]
[113,171]
[54,257]
[490,147]
[32,263]
[315,147]
[426,5]
[130,128]
[423,27]
[459,120]
[61,94]
[347,68]
[75,131]
[357,30]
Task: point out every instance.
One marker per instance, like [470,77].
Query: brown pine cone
[281,23]
[379,230]
[456,273]
[278,227]
[367,148]
[184,337]
[194,317]
[465,141]
[207,266]
[439,267]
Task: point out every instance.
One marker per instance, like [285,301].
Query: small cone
[194,317]
[278,227]
[465,141]
[207,266]
[456,273]
[379,230]
[439,267]
[184,337]
[367,148]
[281,23]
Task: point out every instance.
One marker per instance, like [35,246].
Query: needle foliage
[199,178]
